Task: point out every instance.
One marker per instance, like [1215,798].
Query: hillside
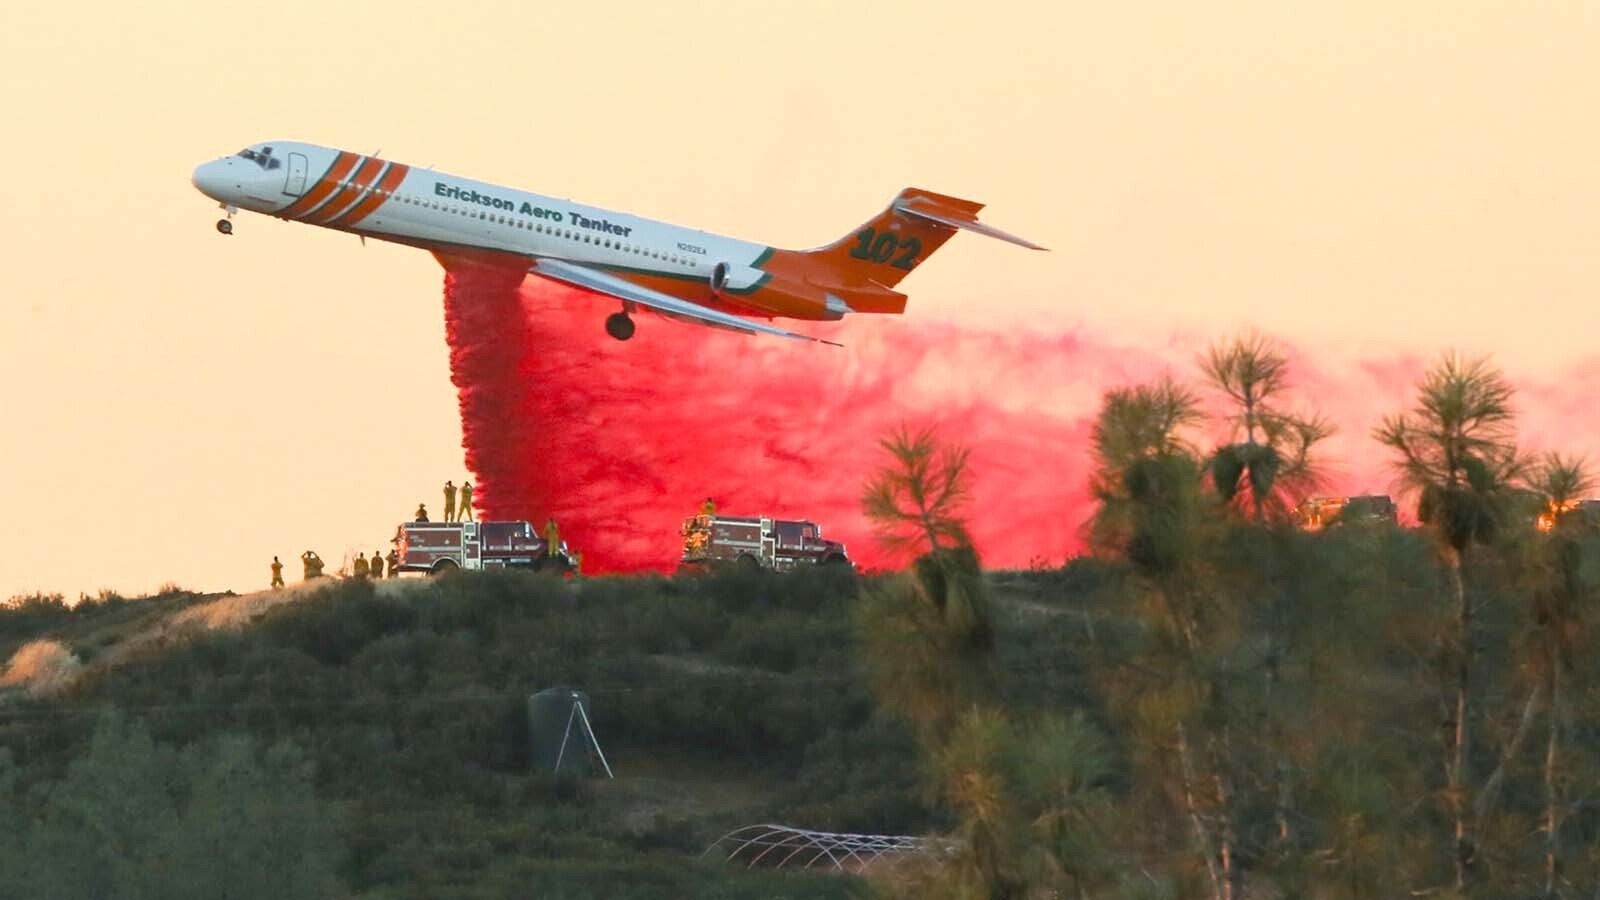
[1290,694]
[720,702]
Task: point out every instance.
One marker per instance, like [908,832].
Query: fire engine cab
[440,547]
[756,542]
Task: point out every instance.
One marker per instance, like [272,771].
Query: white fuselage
[669,270]
[423,207]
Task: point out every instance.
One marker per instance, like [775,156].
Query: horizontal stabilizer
[956,216]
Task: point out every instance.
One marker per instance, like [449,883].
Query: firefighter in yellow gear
[449,502]
[312,563]
[708,508]
[421,515]
[394,563]
[376,566]
[359,568]
[277,573]
[466,502]
[552,537]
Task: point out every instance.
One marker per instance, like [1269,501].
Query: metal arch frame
[854,853]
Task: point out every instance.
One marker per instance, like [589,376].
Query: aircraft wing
[605,283]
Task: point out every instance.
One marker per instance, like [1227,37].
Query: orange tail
[887,247]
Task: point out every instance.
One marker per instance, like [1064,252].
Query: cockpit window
[264,159]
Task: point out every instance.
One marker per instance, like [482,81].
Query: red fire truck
[756,541]
[440,547]
[1317,513]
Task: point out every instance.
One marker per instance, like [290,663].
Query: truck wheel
[748,563]
[836,560]
[444,567]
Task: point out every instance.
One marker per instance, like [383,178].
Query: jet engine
[734,279]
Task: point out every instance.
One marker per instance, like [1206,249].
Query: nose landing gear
[225,226]
[619,326]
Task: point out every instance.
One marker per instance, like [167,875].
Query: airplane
[675,271]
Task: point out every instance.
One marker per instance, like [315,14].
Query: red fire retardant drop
[619,441]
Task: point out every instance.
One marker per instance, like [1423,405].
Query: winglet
[957,214]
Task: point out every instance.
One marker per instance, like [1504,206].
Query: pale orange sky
[180,406]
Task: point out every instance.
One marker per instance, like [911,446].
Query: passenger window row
[541,228]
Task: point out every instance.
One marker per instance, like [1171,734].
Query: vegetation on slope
[1217,704]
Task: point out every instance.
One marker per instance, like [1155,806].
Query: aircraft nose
[211,179]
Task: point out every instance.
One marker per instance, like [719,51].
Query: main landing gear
[619,326]
[225,226]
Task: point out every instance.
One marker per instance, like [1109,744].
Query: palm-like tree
[917,499]
[915,503]
[1457,453]
[1274,455]
[930,642]
[1143,464]
[1560,591]
[1148,480]
[1268,458]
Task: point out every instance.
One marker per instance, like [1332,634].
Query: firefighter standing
[466,502]
[421,514]
[376,567]
[359,567]
[552,537]
[277,573]
[394,563]
[708,508]
[449,502]
[312,563]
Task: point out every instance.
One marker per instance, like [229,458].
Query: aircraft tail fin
[887,247]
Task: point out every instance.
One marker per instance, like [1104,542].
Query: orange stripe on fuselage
[347,194]
[342,164]
[386,186]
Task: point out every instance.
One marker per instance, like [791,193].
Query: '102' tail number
[880,248]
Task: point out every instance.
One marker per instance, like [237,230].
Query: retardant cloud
[620,441]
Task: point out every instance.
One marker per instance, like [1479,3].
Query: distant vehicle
[1317,513]
[441,547]
[757,542]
